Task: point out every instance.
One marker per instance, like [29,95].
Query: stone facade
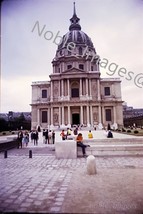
[76,94]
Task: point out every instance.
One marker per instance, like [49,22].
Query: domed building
[76,94]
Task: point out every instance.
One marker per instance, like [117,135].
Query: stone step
[116,149]
[114,141]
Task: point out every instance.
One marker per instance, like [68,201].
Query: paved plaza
[44,184]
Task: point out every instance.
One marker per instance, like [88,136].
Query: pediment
[73,70]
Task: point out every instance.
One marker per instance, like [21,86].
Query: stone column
[51,92]
[103,115]
[86,87]
[59,88]
[90,88]
[87,64]
[59,116]
[63,119]
[69,117]
[54,69]
[98,90]
[62,87]
[91,115]
[49,117]
[99,113]
[115,125]
[80,87]
[87,108]
[114,113]
[81,114]
[63,67]
[68,83]
[38,117]
[100,126]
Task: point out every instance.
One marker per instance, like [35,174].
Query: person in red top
[63,135]
[79,141]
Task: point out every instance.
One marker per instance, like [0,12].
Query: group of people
[23,139]
[48,136]
[25,136]
[65,135]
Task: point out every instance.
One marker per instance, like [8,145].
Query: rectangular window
[81,66]
[108,114]
[44,93]
[75,92]
[44,116]
[69,66]
[107,91]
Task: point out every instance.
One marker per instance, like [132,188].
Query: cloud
[115,28]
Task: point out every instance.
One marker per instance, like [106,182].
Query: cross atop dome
[74,20]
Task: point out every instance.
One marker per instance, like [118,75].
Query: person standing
[20,136]
[35,138]
[63,135]
[25,139]
[53,137]
[46,136]
[50,136]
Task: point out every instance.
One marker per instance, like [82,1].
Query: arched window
[75,90]
[80,51]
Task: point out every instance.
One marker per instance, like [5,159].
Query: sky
[115,28]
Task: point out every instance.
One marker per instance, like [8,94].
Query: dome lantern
[74,21]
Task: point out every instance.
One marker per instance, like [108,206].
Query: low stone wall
[8,145]
[66,149]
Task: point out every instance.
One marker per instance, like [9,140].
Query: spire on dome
[74,10]
[74,20]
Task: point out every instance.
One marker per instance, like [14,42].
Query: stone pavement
[44,184]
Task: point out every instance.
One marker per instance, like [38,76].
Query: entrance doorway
[75,119]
